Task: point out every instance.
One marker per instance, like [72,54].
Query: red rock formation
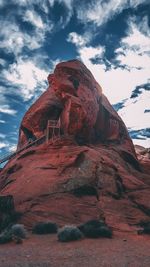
[143,155]
[90,172]
[76,98]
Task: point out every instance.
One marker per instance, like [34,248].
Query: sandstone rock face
[91,172]
[76,98]
[143,155]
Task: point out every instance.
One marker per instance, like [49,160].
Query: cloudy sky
[112,37]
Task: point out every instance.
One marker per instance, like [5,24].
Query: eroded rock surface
[143,155]
[75,97]
[91,172]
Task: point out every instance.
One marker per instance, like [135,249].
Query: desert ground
[123,250]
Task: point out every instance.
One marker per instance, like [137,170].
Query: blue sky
[111,37]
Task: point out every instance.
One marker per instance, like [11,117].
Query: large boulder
[90,172]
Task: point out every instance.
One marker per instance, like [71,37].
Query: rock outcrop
[143,155]
[74,97]
[90,172]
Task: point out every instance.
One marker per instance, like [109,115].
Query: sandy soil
[124,250]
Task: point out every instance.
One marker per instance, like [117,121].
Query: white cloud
[2,2]
[145,143]
[133,111]
[87,53]
[8,147]
[100,12]
[68,3]
[22,2]
[32,17]
[2,121]
[4,104]
[144,25]
[7,110]
[12,148]
[45,6]
[133,60]
[136,39]
[77,39]
[51,2]
[27,76]
[64,20]
[135,48]
[118,82]
[13,40]
[2,136]
[3,145]
[135,3]
[2,62]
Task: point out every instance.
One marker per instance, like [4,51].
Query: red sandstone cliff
[91,172]
[76,98]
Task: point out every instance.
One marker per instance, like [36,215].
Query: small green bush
[18,230]
[69,233]
[95,229]
[146,228]
[45,228]
[5,237]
